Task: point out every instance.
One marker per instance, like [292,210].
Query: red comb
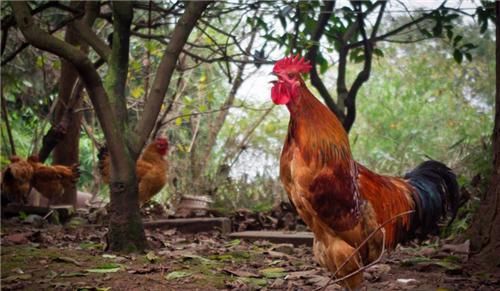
[292,64]
[162,139]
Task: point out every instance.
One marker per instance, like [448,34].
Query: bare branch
[24,45]
[165,71]
[364,75]
[325,14]
[119,60]
[44,41]
[88,35]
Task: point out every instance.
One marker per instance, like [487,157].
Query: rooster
[151,168]
[353,212]
[16,180]
[51,181]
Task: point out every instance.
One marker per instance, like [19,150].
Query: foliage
[399,125]
[417,103]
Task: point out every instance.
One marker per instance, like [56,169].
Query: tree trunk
[126,232]
[486,229]
[66,151]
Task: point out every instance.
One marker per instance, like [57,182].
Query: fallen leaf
[463,248]
[273,272]
[233,243]
[68,260]
[107,268]
[242,273]
[378,270]
[406,281]
[283,248]
[151,257]
[255,281]
[274,254]
[18,238]
[17,277]
[196,257]
[300,274]
[177,275]
[73,274]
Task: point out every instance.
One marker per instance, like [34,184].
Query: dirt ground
[71,257]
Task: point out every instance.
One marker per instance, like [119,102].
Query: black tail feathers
[103,153]
[437,195]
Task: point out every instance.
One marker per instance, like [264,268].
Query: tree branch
[364,75]
[44,41]
[325,14]
[116,79]
[165,71]
[63,23]
[88,35]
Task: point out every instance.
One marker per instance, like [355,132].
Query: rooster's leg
[334,256]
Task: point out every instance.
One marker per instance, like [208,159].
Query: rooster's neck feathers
[316,130]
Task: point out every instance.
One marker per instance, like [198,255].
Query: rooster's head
[161,145]
[288,71]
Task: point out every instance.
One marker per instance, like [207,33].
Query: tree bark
[126,232]
[486,228]
[66,152]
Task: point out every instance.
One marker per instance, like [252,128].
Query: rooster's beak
[273,81]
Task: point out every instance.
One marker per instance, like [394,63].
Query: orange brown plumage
[51,181]
[342,201]
[151,168]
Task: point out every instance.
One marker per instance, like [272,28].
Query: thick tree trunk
[486,229]
[126,232]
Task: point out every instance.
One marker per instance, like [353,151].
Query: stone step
[295,238]
[192,225]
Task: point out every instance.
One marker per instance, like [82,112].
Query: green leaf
[177,275]
[457,39]
[273,272]
[438,28]
[378,52]
[449,34]
[458,56]
[137,92]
